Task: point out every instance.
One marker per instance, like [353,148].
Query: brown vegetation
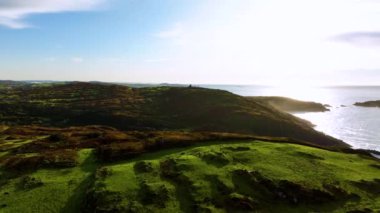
[150,109]
[52,159]
[35,146]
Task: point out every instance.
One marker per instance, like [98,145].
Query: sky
[265,42]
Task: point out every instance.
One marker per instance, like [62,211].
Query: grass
[2,154]
[190,181]
[209,176]
[62,190]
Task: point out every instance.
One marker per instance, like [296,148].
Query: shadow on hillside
[283,193]
[89,164]
[74,203]
[184,188]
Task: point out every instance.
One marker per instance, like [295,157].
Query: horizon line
[194,84]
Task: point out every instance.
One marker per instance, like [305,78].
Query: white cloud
[77,60]
[14,12]
[271,41]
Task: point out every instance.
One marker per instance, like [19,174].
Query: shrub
[169,169]
[103,172]
[60,158]
[29,182]
[56,137]
[143,167]
[119,151]
[157,197]
[215,158]
[21,163]
[103,201]
[92,135]
[10,138]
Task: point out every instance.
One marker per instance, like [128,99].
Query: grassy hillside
[27,148]
[291,105]
[243,176]
[157,108]
[219,176]
[48,189]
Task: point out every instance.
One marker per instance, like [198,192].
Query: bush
[29,182]
[215,158]
[56,137]
[10,138]
[21,163]
[103,201]
[61,158]
[169,169]
[118,151]
[157,197]
[93,135]
[143,167]
[103,172]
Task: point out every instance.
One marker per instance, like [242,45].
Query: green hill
[239,176]
[157,108]
[219,176]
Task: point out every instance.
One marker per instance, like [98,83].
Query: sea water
[357,126]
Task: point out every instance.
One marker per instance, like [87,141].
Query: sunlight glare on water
[358,126]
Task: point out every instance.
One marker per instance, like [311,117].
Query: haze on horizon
[294,42]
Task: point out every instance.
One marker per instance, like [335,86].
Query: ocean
[357,126]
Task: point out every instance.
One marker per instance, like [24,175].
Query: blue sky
[113,29]
[192,41]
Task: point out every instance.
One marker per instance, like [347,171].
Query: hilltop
[155,108]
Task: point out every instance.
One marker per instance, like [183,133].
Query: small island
[368,104]
[291,105]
